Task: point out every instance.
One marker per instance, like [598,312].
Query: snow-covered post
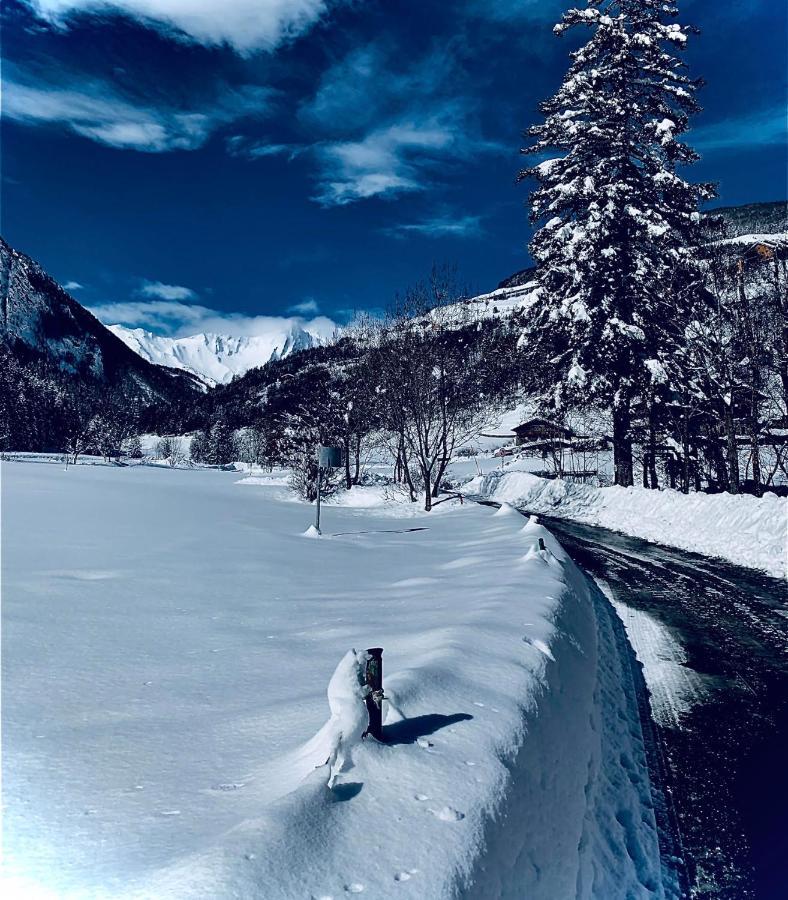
[374,699]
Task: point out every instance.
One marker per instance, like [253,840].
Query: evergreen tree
[615,269]
[221,448]
[198,449]
[133,447]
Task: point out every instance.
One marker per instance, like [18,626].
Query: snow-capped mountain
[218,358]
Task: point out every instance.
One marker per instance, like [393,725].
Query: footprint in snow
[170,812]
[354,888]
[448,814]
[477,703]
[406,875]
[421,797]
[424,743]
[229,786]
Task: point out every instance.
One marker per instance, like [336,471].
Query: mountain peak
[218,358]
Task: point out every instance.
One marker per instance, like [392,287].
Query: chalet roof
[543,423]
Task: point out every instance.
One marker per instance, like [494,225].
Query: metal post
[374,698]
[317,515]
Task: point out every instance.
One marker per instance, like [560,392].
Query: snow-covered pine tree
[132,447]
[614,253]
[221,449]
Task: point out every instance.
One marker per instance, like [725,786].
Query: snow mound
[348,722]
[749,531]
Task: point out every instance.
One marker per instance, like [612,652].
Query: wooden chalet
[541,431]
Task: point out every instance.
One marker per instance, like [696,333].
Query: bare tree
[434,382]
[252,445]
[170,448]
[76,412]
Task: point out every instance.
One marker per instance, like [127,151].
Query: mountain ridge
[40,321]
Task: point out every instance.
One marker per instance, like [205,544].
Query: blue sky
[185,164]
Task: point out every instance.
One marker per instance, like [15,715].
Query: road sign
[329,457]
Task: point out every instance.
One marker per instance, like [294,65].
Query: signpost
[327,458]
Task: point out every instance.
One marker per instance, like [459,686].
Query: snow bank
[745,530]
[170,640]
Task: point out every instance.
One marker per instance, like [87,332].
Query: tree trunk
[357,470]
[348,481]
[406,475]
[756,458]
[718,461]
[685,451]
[733,451]
[427,491]
[622,446]
[652,450]
[439,478]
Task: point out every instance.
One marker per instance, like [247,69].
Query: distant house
[763,250]
[537,431]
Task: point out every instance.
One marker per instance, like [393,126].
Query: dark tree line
[44,408]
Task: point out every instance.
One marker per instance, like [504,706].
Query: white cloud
[306,307]
[96,110]
[440,226]
[389,122]
[244,25]
[72,286]
[386,161]
[762,127]
[166,291]
[175,318]
[376,83]
[162,316]
[241,146]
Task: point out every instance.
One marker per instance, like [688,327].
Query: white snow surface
[182,713]
[749,531]
[218,358]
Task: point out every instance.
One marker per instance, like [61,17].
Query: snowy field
[169,638]
[749,531]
